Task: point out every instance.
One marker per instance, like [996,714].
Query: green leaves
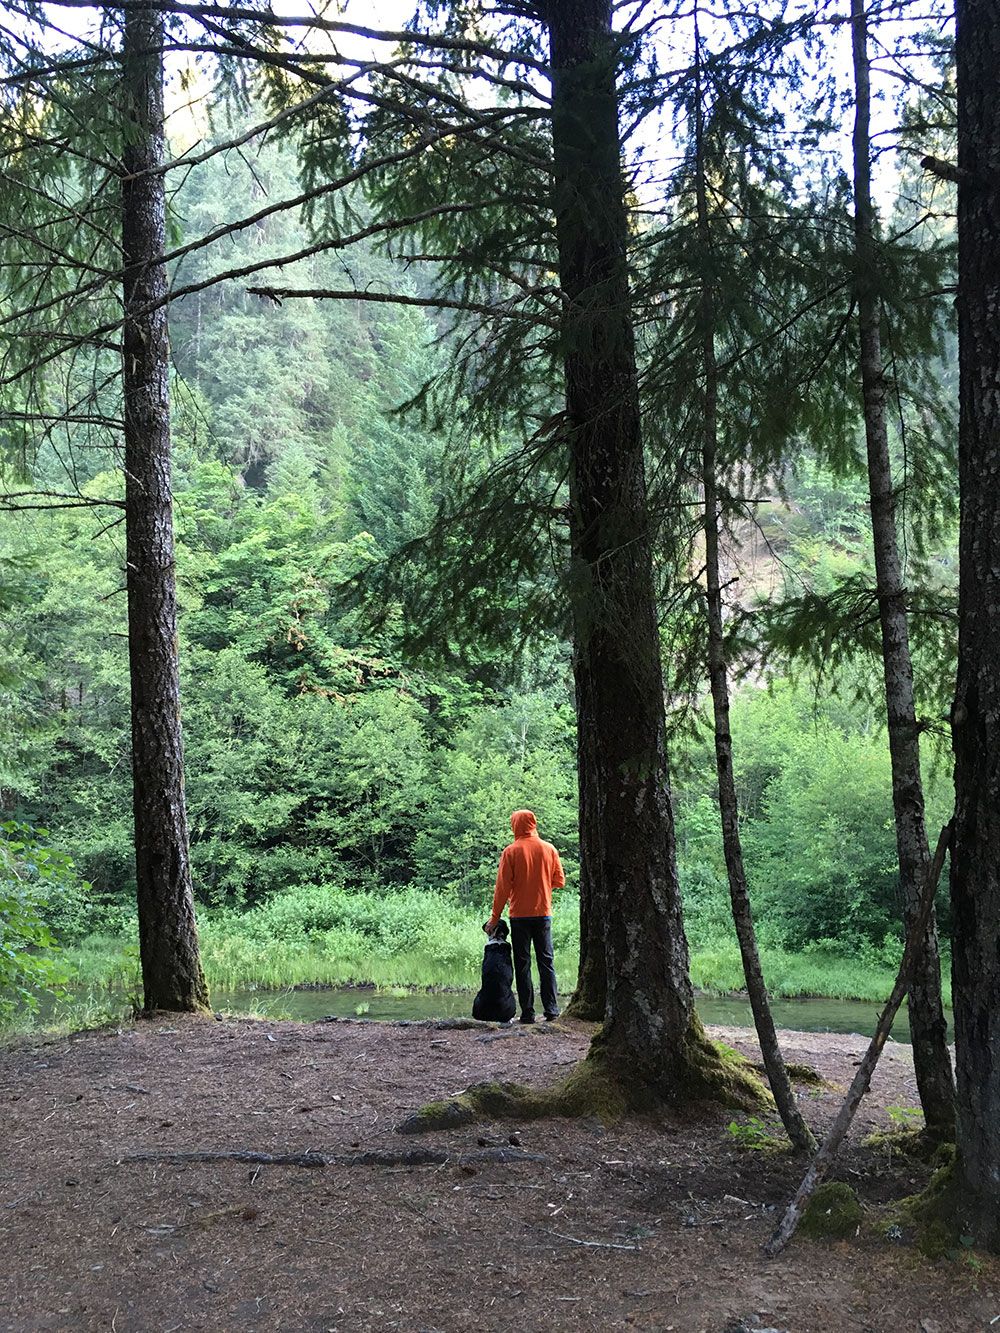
[39,890]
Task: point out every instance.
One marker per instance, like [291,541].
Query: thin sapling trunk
[928,1027]
[784,1095]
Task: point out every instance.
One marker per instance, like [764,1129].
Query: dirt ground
[633,1226]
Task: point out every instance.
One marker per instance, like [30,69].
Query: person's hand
[487,925]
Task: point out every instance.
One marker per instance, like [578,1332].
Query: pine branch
[279,294]
[945,171]
[269,18]
[15,502]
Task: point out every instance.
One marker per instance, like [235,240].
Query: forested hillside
[325,766]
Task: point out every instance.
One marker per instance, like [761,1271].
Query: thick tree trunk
[651,1032]
[975,865]
[739,895]
[928,1027]
[168,941]
[590,996]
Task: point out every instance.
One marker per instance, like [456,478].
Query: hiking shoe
[551,1018]
[526,1018]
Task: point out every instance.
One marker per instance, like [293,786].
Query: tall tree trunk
[928,1028]
[975,864]
[739,895]
[168,940]
[651,1036]
[590,996]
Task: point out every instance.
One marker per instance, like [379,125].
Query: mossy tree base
[701,1071]
[913,1143]
[584,1009]
[941,1219]
[606,1088]
[800,1073]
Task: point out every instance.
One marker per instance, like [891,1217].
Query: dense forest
[324,765]
[556,407]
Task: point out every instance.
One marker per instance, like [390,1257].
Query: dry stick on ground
[410,1157]
[862,1079]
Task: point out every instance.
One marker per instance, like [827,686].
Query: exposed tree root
[798,1073]
[409,1157]
[603,1087]
[914,1143]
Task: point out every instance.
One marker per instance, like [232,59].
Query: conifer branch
[279,294]
[272,19]
[13,502]
[944,170]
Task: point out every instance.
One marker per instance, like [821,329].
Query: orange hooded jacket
[529,870]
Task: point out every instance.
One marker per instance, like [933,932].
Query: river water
[806,1015]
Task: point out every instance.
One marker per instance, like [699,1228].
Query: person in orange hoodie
[529,870]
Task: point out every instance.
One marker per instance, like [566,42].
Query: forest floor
[627,1226]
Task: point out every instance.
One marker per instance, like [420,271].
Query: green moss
[584,1010]
[449,1114]
[586,1091]
[599,1086]
[713,1072]
[754,1135]
[833,1212]
[800,1073]
[931,1217]
[911,1143]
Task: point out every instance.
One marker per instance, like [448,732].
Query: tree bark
[590,996]
[168,940]
[739,895]
[975,865]
[928,1027]
[650,1030]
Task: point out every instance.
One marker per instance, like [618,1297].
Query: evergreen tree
[168,941]
[975,864]
[651,1038]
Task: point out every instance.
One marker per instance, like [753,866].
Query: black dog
[495,1002]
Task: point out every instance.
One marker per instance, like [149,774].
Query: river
[805,1015]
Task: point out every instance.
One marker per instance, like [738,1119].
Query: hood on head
[523,822]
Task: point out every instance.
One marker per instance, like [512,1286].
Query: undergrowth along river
[416,941]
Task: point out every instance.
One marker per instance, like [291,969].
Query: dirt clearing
[632,1226]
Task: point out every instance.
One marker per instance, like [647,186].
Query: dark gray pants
[526,931]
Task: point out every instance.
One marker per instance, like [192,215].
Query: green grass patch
[717,967]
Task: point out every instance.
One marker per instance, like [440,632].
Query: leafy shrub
[39,890]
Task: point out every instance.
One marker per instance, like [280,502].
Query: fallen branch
[862,1079]
[590,1244]
[373,1157]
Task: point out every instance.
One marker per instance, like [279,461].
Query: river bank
[631,1225]
[238,960]
[350,973]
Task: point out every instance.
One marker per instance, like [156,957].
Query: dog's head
[500,932]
